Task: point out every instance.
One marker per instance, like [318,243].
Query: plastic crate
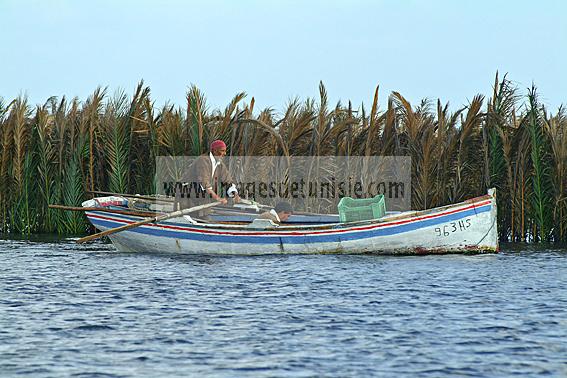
[359,209]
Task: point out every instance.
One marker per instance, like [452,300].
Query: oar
[149,198]
[160,218]
[261,206]
[102,209]
[253,203]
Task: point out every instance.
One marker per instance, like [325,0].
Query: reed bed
[57,152]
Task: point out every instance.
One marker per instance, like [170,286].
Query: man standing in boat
[207,174]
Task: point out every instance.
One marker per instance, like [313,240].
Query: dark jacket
[199,179]
[201,169]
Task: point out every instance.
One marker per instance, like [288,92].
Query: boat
[465,227]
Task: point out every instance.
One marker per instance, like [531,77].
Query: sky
[278,50]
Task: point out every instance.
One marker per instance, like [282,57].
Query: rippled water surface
[85,311]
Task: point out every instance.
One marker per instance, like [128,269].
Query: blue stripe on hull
[325,238]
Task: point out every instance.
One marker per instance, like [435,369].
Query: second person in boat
[279,214]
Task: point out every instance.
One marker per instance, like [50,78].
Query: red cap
[217,144]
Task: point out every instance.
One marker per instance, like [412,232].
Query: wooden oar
[160,218]
[103,209]
[149,198]
[253,203]
[261,206]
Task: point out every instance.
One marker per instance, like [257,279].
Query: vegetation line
[62,151]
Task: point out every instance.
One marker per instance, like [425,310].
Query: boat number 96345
[452,227]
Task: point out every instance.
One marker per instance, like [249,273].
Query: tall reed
[61,151]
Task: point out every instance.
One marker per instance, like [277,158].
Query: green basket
[353,209]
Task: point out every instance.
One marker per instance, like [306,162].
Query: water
[83,311]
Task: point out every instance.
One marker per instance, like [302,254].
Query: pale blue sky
[275,50]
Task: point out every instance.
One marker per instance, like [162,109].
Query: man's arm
[227,178]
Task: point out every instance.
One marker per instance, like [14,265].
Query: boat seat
[262,223]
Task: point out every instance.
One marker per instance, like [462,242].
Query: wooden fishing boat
[466,227]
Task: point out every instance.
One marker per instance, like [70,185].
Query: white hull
[469,226]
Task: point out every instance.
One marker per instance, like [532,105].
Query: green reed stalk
[195,119]
[24,214]
[117,144]
[73,222]
[542,190]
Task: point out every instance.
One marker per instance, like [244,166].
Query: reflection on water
[68,309]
